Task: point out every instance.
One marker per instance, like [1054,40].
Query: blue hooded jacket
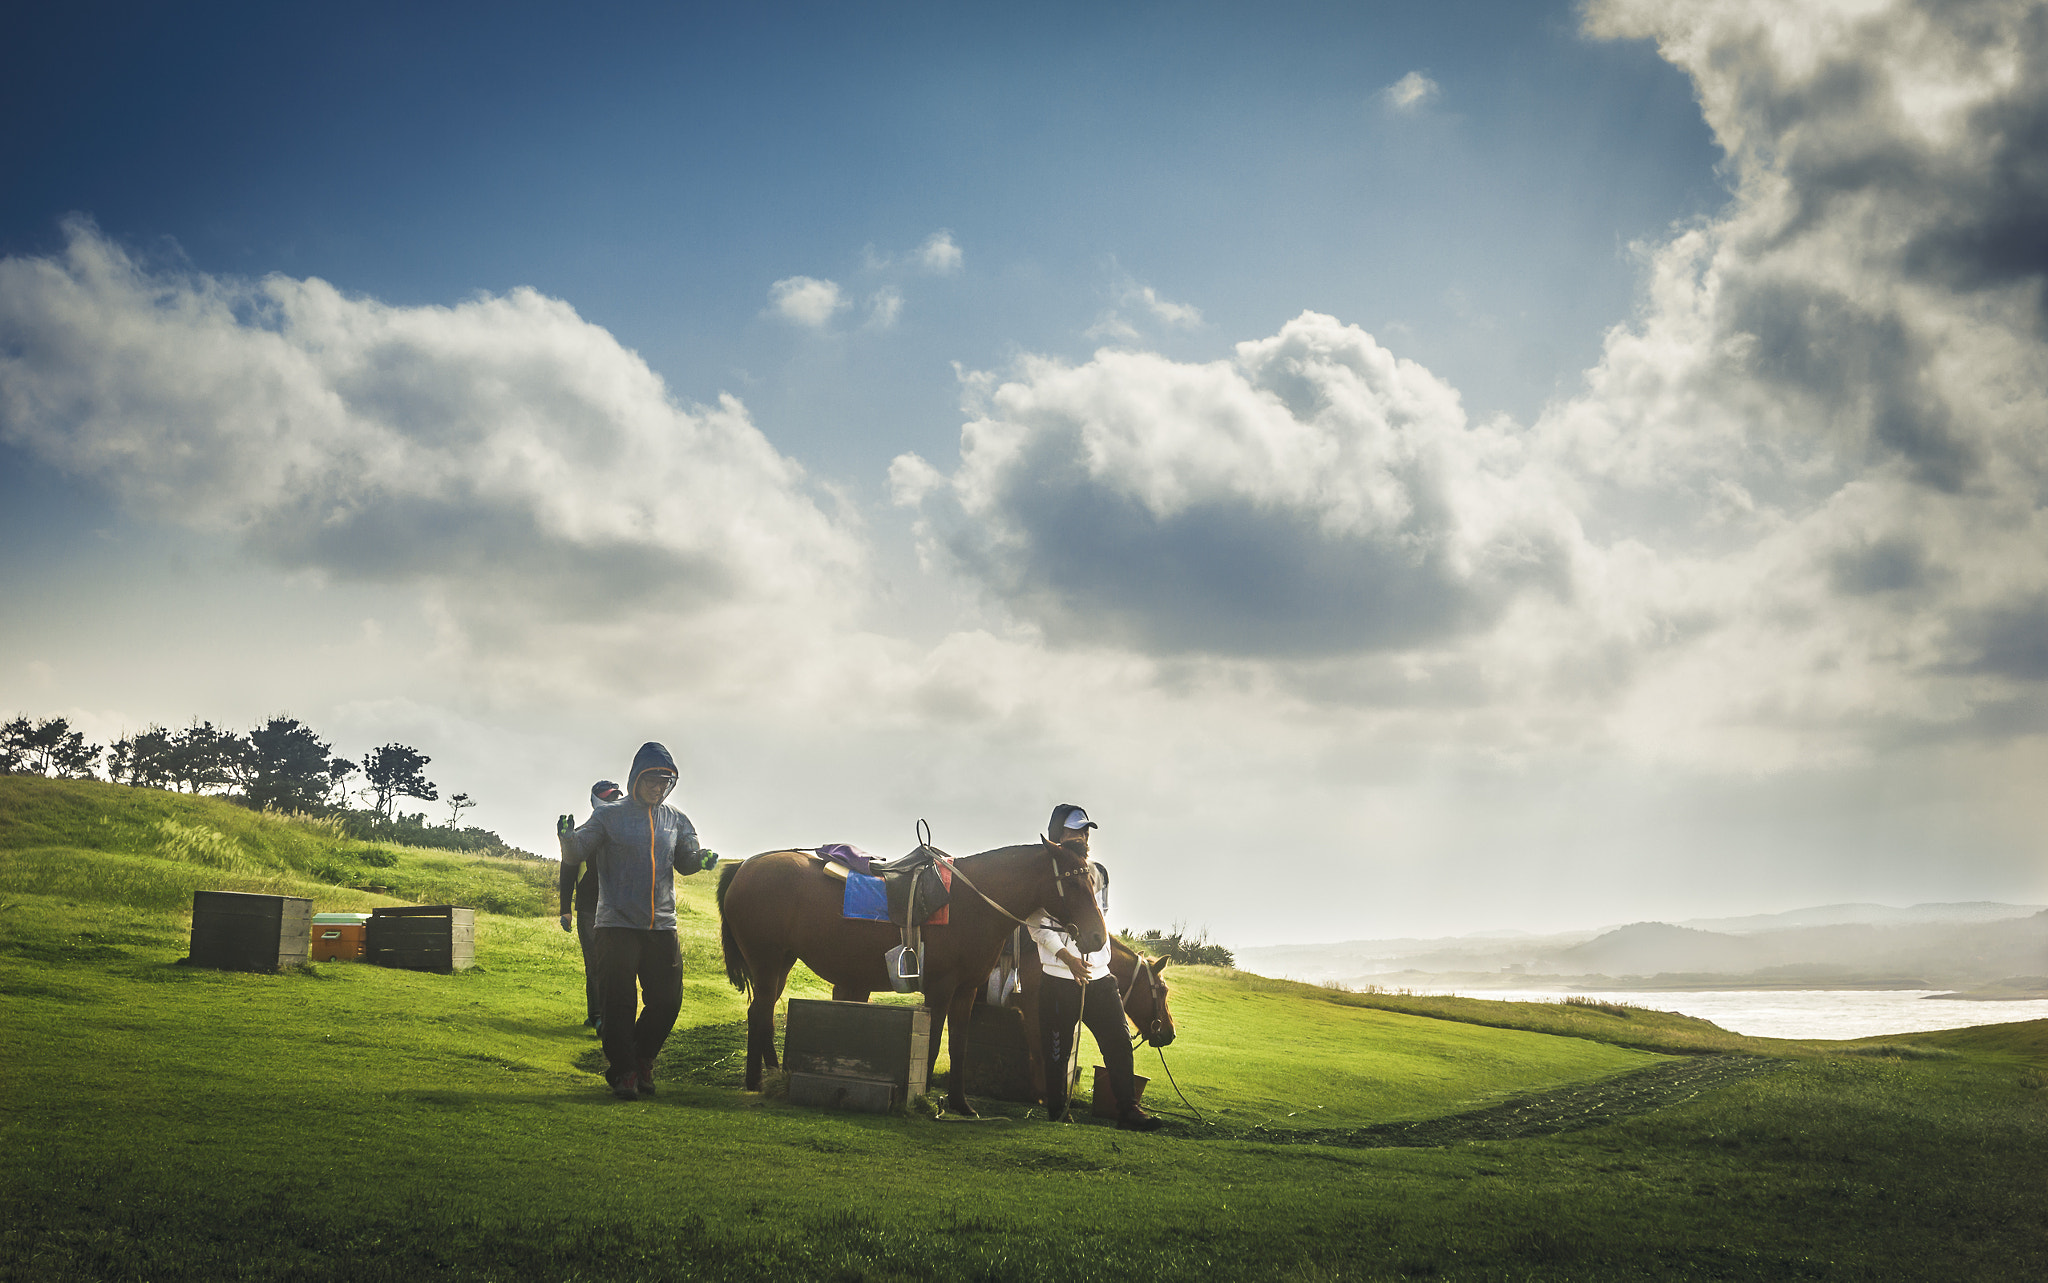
[637,850]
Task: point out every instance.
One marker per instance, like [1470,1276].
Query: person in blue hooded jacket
[638,845]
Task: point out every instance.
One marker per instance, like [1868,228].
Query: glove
[565,922]
[564,824]
[710,861]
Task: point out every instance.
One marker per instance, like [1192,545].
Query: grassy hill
[350,1122]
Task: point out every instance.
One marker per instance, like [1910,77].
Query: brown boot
[626,1086]
[646,1077]
[1130,1118]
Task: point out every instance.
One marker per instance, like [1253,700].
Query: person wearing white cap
[1076,988]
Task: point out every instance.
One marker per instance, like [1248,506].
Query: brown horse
[781,906]
[1138,980]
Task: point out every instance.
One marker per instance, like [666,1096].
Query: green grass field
[349,1122]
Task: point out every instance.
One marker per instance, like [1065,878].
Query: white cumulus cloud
[1409,92]
[504,455]
[1314,494]
[940,254]
[805,300]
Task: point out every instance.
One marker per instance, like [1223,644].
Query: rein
[1058,878]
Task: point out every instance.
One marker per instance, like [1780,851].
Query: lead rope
[1176,1086]
[1142,1037]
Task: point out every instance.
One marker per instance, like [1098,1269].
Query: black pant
[1100,1007]
[585,938]
[654,960]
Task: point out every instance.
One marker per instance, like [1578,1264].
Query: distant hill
[1942,946]
[1877,915]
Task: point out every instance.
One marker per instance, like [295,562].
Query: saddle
[910,893]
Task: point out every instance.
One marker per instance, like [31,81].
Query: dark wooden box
[998,1061]
[236,931]
[426,937]
[871,1042]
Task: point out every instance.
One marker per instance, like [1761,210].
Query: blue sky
[1515,580]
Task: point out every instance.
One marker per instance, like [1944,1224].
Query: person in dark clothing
[602,793]
[1077,989]
[639,845]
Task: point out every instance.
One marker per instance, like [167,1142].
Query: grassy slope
[162,1122]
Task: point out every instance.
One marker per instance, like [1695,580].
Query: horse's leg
[937,1011]
[848,993]
[761,1022]
[956,1090]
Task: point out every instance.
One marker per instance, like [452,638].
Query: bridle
[1146,1033]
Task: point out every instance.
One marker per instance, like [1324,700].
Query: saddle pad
[865,898]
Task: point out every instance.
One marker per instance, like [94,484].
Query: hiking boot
[1134,1119]
[626,1086]
[646,1078]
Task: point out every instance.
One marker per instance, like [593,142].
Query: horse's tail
[735,962]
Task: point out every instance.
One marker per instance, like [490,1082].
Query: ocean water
[1801,1013]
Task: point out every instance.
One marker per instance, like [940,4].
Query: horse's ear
[1159,964]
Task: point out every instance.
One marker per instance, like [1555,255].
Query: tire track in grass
[1565,1109]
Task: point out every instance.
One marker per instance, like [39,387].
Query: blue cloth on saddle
[866,897]
[843,853]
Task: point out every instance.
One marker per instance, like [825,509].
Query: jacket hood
[651,757]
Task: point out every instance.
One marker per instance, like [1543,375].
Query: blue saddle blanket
[866,897]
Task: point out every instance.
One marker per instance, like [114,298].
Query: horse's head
[1146,1002]
[1073,896]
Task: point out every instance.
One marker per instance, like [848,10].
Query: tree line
[281,765]
[1182,946]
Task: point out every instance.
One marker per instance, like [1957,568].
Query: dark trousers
[632,965]
[1101,1008]
[586,938]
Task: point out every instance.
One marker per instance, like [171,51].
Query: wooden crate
[427,937]
[999,1058]
[236,931]
[858,1042]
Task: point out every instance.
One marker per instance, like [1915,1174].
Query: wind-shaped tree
[290,766]
[396,771]
[46,747]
